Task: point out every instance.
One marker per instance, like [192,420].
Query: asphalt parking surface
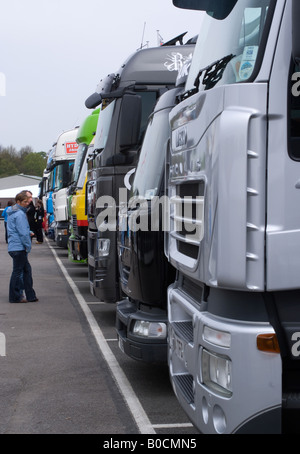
[62,371]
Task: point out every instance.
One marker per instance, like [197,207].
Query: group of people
[22,221]
[35,215]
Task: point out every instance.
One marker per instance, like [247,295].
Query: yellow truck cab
[77,245]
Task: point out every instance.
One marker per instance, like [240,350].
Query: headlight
[217,373]
[217,337]
[63,232]
[150,329]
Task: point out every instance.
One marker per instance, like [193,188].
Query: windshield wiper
[213,73]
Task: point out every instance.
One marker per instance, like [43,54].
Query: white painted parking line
[69,267]
[172,426]
[142,421]
[95,302]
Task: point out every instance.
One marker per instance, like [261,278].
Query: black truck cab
[127,98]
[145,272]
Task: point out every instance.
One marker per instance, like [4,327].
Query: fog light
[150,329]
[103,247]
[217,373]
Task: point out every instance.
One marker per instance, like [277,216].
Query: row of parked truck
[181,193]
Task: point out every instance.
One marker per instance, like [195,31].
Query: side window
[51,181]
[294,114]
[59,177]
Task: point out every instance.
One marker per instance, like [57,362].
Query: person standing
[31,213]
[4,214]
[39,217]
[19,246]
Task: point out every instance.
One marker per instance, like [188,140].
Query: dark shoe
[33,301]
[23,300]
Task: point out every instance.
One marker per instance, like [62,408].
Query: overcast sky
[53,53]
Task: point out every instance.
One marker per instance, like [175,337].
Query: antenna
[142,45]
[160,40]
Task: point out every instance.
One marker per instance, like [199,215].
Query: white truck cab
[63,159]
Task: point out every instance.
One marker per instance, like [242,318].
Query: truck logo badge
[181,137]
[71,147]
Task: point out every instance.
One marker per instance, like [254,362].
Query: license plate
[179,347]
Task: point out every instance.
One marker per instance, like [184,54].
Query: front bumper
[150,350]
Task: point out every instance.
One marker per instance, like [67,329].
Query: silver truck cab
[234,171]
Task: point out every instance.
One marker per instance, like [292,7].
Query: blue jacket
[4,213]
[18,231]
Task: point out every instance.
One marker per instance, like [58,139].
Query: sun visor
[216,8]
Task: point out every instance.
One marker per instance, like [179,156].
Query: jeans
[5,227]
[21,278]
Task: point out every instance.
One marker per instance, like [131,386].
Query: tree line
[25,160]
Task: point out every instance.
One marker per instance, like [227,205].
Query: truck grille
[184,330]
[185,383]
[187,223]
[74,224]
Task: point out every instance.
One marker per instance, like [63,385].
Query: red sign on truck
[71,147]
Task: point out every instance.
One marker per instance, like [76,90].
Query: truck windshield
[51,180]
[228,50]
[148,174]
[103,127]
[82,175]
[63,174]
[80,158]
